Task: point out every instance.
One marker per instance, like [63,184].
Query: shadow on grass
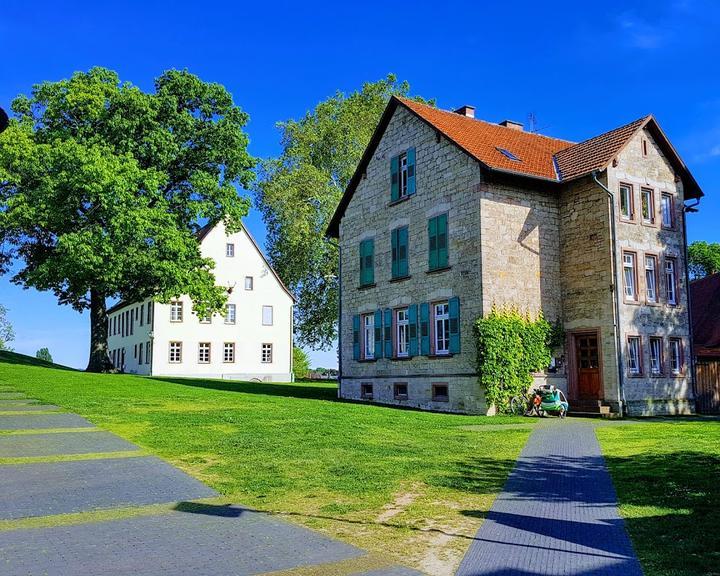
[263,388]
[15,358]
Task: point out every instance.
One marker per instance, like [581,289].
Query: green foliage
[298,192]
[7,334]
[510,347]
[103,186]
[44,354]
[301,363]
[703,259]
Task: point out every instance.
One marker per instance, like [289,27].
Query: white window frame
[626,192]
[229,352]
[249,282]
[666,210]
[651,278]
[368,327]
[229,250]
[204,352]
[630,265]
[671,281]
[634,356]
[402,175]
[175,352]
[441,328]
[676,359]
[656,355]
[176,311]
[230,314]
[648,193]
[402,332]
[267,320]
[205,319]
[266,354]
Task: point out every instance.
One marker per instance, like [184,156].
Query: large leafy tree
[703,259]
[103,186]
[7,334]
[298,192]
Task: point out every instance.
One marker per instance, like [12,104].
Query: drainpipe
[691,349]
[337,245]
[616,300]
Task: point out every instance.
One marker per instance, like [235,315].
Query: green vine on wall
[510,347]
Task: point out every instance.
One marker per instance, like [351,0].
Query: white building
[251,341]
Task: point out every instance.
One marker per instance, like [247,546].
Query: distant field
[410,484]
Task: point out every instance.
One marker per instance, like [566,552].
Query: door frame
[573,363]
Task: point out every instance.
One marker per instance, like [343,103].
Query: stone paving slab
[39,421]
[43,489]
[233,542]
[31,445]
[4,407]
[556,515]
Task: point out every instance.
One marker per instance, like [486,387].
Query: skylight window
[508,154]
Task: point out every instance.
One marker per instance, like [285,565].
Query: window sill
[632,302]
[448,355]
[400,278]
[401,398]
[439,270]
[367,286]
[441,399]
[401,358]
[400,200]
[366,397]
[366,360]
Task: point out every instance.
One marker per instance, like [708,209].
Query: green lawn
[667,476]
[411,484]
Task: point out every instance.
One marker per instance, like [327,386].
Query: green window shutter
[425,329]
[432,244]
[412,327]
[362,263]
[387,325]
[367,264]
[394,255]
[411,171]
[442,241]
[378,334]
[454,313]
[394,178]
[402,251]
[356,337]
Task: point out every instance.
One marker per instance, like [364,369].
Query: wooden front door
[587,360]
[707,384]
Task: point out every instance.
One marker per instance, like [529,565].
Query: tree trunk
[99,359]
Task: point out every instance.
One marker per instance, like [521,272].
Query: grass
[412,485]
[667,477]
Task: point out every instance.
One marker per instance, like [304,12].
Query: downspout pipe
[340,364]
[616,300]
[691,350]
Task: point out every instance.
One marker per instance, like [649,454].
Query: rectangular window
[403,179]
[176,311]
[248,282]
[651,279]
[402,175]
[135,351]
[366,391]
[656,355]
[627,203]
[175,352]
[634,360]
[267,353]
[147,352]
[438,242]
[676,357]
[644,147]
[229,352]
[647,196]
[205,319]
[399,241]
[132,322]
[140,353]
[149,312]
[441,328]
[367,262]
[142,314]
[230,314]
[666,210]
[440,393]
[230,250]
[204,352]
[267,315]
[402,332]
[670,281]
[630,276]
[400,391]
[368,325]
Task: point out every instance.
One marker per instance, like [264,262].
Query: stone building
[447,216]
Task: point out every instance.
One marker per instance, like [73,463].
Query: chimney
[512,125]
[466,110]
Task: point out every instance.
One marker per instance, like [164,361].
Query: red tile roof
[705,305]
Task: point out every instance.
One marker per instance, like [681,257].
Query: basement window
[508,154]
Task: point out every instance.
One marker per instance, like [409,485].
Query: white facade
[252,341]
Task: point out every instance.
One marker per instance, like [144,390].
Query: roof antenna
[533,125]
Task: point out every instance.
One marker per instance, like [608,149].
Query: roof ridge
[604,134]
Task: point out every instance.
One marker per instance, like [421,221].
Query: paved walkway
[75,500]
[557,514]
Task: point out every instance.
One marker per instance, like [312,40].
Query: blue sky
[580,67]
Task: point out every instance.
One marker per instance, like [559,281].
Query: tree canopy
[44,354]
[298,191]
[103,187]
[7,334]
[703,259]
